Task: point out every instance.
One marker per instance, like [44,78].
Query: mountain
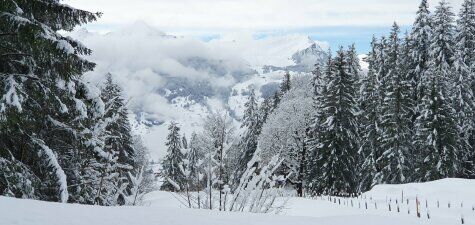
[174,78]
[303,60]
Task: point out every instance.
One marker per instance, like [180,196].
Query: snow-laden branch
[59,172]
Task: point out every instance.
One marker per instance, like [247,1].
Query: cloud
[146,62]
[208,16]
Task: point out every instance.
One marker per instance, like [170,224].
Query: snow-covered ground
[162,208]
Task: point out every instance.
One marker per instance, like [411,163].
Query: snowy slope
[271,51]
[29,212]
[162,208]
[455,191]
[459,193]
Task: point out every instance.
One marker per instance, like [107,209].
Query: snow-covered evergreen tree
[334,158]
[173,171]
[437,134]
[464,83]
[47,111]
[369,121]
[320,75]
[286,83]
[248,143]
[194,168]
[118,138]
[354,67]
[395,137]
[420,46]
[284,87]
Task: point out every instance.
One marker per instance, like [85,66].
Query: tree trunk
[198,187]
[300,185]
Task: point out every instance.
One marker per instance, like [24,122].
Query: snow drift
[162,208]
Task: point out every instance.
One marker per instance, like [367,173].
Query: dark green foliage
[45,104]
[333,158]
[393,162]
[173,171]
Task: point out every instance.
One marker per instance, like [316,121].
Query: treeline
[410,118]
[61,139]
[340,131]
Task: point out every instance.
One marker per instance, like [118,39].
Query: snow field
[444,201]
[163,208]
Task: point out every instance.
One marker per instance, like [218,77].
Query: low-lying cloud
[144,61]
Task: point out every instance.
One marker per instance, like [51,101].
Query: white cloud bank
[205,16]
[143,60]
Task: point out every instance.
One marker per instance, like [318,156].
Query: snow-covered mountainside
[169,78]
[163,208]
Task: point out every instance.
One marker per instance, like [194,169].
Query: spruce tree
[354,67]
[47,110]
[464,78]
[382,67]
[118,138]
[194,158]
[334,157]
[284,87]
[369,120]
[394,162]
[286,83]
[419,52]
[173,171]
[265,109]
[248,143]
[321,74]
[437,134]
[420,46]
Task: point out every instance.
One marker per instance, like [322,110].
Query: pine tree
[383,67]
[195,158]
[464,78]
[334,156]
[286,83]
[184,142]
[47,111]
[437,129]
[420,46]
[172,166]
[118,138]
[354,67]
[284,87]
[248,143]
[321,74]
[369,120]
[420,41]
[396,109]
[265,109]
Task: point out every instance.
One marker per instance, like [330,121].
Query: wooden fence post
[417,208]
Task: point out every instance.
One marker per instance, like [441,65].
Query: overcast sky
[335,21]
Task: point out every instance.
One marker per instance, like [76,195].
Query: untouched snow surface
[162,208]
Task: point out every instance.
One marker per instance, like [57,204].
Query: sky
[338,22]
